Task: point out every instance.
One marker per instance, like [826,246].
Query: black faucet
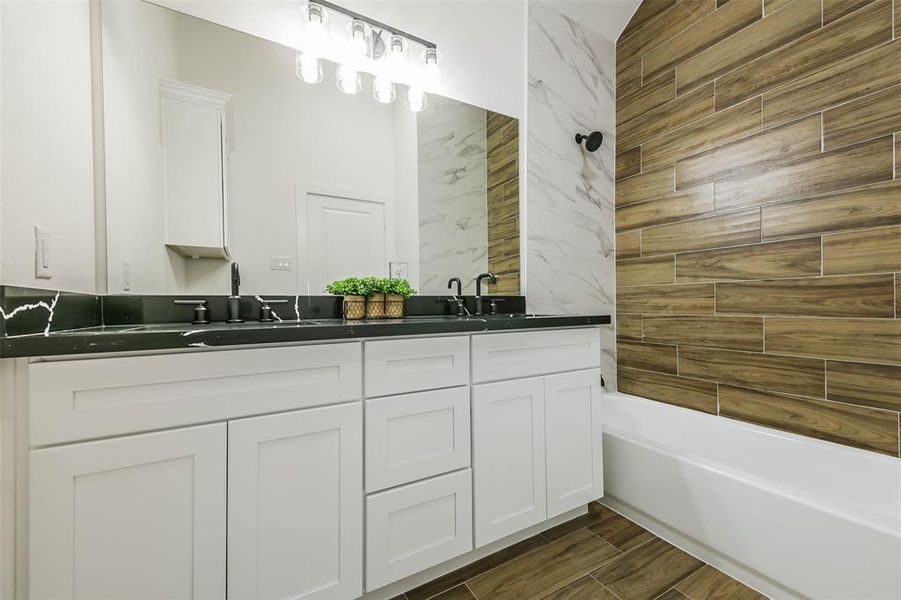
[456,303]
[234,301]
[493,279]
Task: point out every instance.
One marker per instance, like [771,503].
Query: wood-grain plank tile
[897,137]
[861,29]
[644,13]
[584,588]
[707,583]
[752,154]
[628,78]
[864,296]
[798,17]
[706,32]
[644,187]
[663,26]
[651,94]
[735,333]
[835,9]
[852,166]
[789,258]
[856,76]
[719,128]
[628,326]
[866,251]
[654,270]
[628,245]
[594,515]
[628,162]
[648,357]
[674,114]
[869,206]
[709,232]
[878,386]
[647,571]
[868,117]
[673,594]
[675,206]
[545,570]
[483,565]
[788,374]
[671,389]
[865,340]
[856,426]
[691,299]
[616,529]
[461,592]
[771,6]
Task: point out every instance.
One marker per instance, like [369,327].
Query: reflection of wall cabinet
[240,473]
[193,128]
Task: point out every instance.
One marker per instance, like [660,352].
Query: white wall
[46,158]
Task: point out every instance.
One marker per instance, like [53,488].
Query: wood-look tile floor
[598,556]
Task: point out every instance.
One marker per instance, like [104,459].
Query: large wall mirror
[216,152]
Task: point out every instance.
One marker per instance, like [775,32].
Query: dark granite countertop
[170,336]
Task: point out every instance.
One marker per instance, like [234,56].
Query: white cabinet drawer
[412,365]
[417,526]
[81,399]
[416,436]
[524,354]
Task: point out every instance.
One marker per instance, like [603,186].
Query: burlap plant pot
[394,306]
[375,306]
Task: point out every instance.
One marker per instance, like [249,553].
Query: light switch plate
[42,253]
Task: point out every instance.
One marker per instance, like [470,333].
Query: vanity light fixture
[369,46]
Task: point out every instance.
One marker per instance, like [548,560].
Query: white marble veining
[569,195]
[50,308]
[453,194]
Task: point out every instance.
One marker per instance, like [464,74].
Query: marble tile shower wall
[570,220]
[453,216]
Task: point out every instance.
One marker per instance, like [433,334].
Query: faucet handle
[266,310]
[492,309]
[201,312]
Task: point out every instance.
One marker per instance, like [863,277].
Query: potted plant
[387,297]
[354,290]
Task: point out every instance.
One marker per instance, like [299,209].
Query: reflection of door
[345,238]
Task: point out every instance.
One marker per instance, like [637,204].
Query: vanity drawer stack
[418,476]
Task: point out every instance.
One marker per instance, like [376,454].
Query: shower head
[592,141]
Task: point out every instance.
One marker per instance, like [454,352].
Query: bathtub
[789,515]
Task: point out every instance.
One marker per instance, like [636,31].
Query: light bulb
[430,71]
[359,44]
[383,90]
[416,99]
[308,68]
[315,29]
[348,79]
[396,59]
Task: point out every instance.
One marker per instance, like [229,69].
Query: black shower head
[592,141]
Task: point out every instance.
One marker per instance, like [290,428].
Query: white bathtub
[789,515]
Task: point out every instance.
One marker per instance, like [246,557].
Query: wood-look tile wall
[758,213]
[503,202]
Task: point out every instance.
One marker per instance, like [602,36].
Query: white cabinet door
[417,526]
[416,436]
[139,517]
[508,457]
[295,505]
[572,412]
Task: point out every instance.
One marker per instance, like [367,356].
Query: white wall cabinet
[508,457]
[536,450]
[295,505]
[139,517]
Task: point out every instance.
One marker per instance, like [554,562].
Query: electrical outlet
[279,263]
[42,253]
